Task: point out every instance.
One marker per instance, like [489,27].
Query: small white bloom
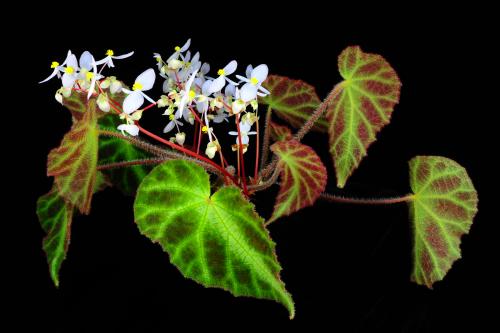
[130,129]
[135,99]
[57,69]
[245,132]
[171,124]
[253,85]
[179,50]
[187,96]
[110,55]
[219,82]
[220,117]
[70,72]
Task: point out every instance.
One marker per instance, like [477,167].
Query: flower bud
[212,148]
[180,138]
[103,103]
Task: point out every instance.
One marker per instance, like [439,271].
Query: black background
[346,266]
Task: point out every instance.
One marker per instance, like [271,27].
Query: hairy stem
[155,150]
[124,164]
[266,138]
[257,148]
[317,114]
[266,183]
[365,201]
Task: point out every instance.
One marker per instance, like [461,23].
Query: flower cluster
[191,94]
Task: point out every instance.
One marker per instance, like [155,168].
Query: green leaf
[293,101]
[303,177]
[73,163]
[443,207]
[112,150]
[55,216]
[368,94]
[280,132]
[217,240]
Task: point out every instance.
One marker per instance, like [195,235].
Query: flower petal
[205,68]
[86,60]
[248,92]
[230,68]
[230,90]
[186,45]
[260,72]
[123,56]
[72,62]
[94,78]
[147,97]
[146,79]
[217,84]
[54,73]
[248,71]
[205,88]
[133,102]
[169,127]
[130,129]
[68,80]
[244,139]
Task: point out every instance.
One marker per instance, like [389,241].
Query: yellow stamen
[221,72]
[137,86]
[177,48]
[171,117]
[54,64]
[254,81]
[158,59]
[110,53]
[69,70]
[192,94]
[204,129]
[89,76]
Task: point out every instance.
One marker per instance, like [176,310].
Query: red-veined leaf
[73,163]
[363,106]
[443,207]
[303,177]
[293,101]
[279,132]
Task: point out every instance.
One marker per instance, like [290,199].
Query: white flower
[135,99]
[159,60]
[253,85]
[244,131]
[238,104]
[57,68]
[220,117]
[70,72]
[179,50]
[171,124]
[130,129]
[219,82]
[110,55]
[203,98]
[187,96]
